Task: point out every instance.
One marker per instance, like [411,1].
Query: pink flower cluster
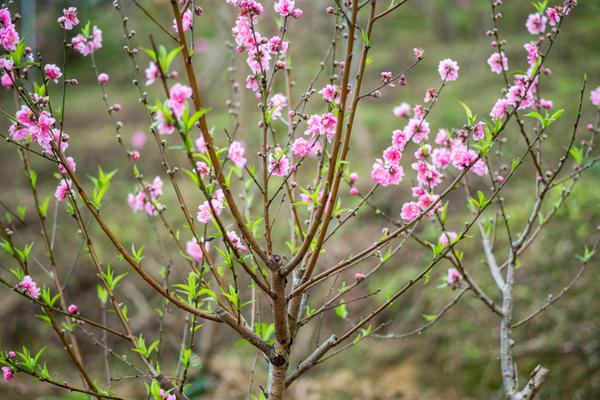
[536,24]
[236,241]
[29,287]
[9,37]
[278,163]
[40,129]
[140,201]
[63,188]
[53,72]
[595,97]
[324,124]
[194,250]
[8,373]
[454,277]
[286,7]
[302,147]
[448,70]
[186,21]
[178,95]
[204,210]
[69,18]
[330,93]
[87,45]
[498,62]
[236,154]
[276,105]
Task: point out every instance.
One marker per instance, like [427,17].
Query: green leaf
[429,317]
[341,310]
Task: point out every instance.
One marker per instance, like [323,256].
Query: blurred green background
[458,357]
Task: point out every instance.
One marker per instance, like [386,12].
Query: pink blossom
[70,163]
[186,21]
[418,191]
[330,93]
[12,354]
[138,140]
[276,105]
[205,213]
[386,77]
[536,24]
[426,173]
[29,287]
[53,72]
[300,147]
[69,18]
[203,169]
[353,177]
[72,309]
[194,250]
[423,152]
[547,104]
[284,7]
[298,13]
[418,52]
[447,235]
[151,73]
[532,53]
[391,155]
[135,155]
[277,46]
[177,98]
[8,373]
[479,168]
[448,70]
[417,129]
[279,164]
[201,145]
[167,396]
[7,80]
[479,131]
[236,154]
[103,78]
[359,277]
[86,46]
[9,37]
[236,241]
[498,62]
[429,95]
[402,110]
[453,276]
[553,14]
[62,189]
[380,174]
[418,111]
[499,109]
[410,211]
[595,97]
[399,139]
[353,191]
[442,137]
[252,82]
[258,59]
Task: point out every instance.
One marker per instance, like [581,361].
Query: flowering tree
[251,264]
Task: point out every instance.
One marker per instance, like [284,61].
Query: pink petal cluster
[417,129]
[29,287]
[285,8]
[454,277]
[402,110]
[448,70]
[8,373]
[102,78]
[86,46]
[236,154]
[151,73]
[194,250]
[205,213]
[276,105]
[70,163]
[536,24]
[278,163]
[72,309]
[595,96]
[447,237]
[178,95]
[236,241]
[553,14]
[9,37]
[167,396]
[498,62]
[301,147]
[330,93]
[69,18]
[324,124]
[140,201]
[386,78]
[186,21]
[53,72]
